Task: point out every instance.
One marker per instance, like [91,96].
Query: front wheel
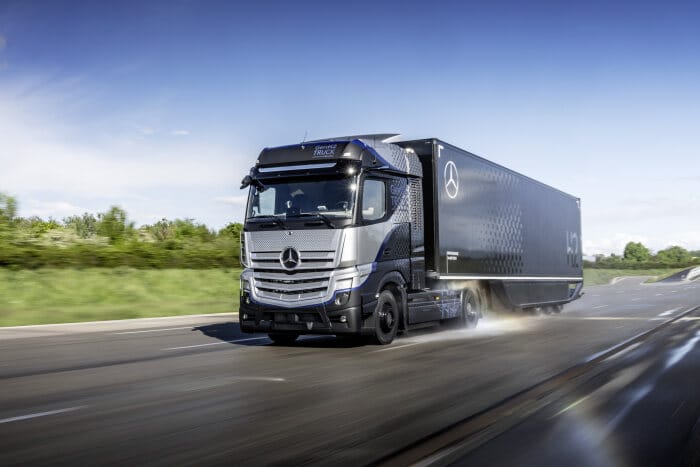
[386,318]
[283,338]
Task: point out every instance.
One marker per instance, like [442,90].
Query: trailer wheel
[283,338]
[386,318]
[471,313]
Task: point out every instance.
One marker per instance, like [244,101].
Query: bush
[140,255]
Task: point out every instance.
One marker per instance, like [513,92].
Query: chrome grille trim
[303,288]
[294,287]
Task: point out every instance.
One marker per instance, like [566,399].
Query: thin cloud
[232,200]
[40,153]
[53,209]
[180,133]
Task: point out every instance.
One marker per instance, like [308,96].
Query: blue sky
[161,107]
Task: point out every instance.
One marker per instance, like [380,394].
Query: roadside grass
[604,276]
[47,296]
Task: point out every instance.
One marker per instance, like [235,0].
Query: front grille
[309,282]
[291,287]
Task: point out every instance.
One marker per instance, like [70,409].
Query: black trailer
[485,222]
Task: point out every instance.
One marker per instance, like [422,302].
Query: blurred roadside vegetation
[47,295]
[638,256]
[110,240]
[592,276]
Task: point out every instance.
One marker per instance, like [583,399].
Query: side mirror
[246,182]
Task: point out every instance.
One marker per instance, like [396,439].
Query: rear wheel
[283,338]
[471,311]
[386,318]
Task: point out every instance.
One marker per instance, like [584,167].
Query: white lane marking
[595,295]
[206,384]
[396,347]
[668,312]
[570,406]
[259,378]
[155,330]
[635,299]
[599,306]
[623,352]
[41,414]
[216,343]
[659,294]
[678,354]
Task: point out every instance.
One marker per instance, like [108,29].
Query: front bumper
[307,320]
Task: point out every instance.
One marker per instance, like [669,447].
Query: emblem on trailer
[290,258]
[451,179]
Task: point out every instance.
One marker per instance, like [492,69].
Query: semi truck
[369,236]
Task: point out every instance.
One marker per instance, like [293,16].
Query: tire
[283,338]
[386,318]
[471,310]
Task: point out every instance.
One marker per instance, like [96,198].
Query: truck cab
[328,228]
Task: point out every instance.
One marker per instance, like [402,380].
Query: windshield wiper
[321,217]
[276,220]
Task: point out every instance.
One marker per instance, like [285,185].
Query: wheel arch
[394,281]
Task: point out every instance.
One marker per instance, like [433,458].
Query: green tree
[8,209]
[8,214]
[232,230]
[673,255]
[85,226]
[188,229]
[162,230]
[113,225]
[635,251]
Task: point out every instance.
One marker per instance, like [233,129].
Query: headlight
[245,284]
[341,298]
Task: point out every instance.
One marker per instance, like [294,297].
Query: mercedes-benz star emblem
[290,258]
[451,179]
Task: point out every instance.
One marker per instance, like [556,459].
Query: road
[197,391]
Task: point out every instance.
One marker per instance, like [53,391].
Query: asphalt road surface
[587,387]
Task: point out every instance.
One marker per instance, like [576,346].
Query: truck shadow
[231,332]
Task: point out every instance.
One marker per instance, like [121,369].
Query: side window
[266,201]
[373,200]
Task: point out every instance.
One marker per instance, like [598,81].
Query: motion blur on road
[610,381]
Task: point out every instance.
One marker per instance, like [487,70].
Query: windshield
[332,198]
